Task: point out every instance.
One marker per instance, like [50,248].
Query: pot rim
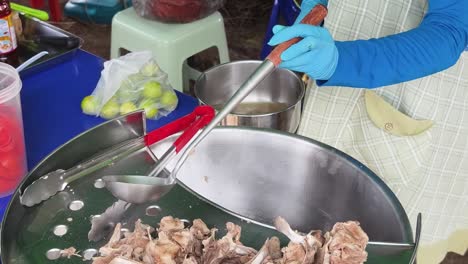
[212,69]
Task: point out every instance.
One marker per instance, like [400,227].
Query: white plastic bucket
[13,164]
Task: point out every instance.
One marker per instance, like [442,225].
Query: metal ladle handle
[315,17]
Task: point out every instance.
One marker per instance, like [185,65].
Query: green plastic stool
[171,44]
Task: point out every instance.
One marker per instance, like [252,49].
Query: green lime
[150,108]
[169,99]
[110,110]
[127,107]
[89,105]
[152,90]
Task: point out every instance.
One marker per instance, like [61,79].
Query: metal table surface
[51,107]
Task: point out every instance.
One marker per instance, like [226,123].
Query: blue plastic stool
[289,10]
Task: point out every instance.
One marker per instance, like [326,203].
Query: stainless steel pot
[276,103]
[233,174]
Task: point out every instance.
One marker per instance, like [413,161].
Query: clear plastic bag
[129,83]
[176,11]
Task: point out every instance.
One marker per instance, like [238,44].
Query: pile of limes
[141,90]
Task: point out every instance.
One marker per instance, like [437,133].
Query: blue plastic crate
[95,11]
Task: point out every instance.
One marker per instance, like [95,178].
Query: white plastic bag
[129,83]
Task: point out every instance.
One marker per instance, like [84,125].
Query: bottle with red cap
[8,42]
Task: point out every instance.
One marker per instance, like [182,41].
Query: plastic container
[13,166]
[176,11]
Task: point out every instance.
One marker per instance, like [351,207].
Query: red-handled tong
[190,124]
[139,189]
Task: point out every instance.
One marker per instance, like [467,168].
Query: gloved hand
[316,54]
[308,5]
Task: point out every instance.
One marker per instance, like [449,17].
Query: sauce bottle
[8,42]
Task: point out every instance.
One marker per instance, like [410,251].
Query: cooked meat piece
[108,251]
[138,239]
[269,253]
[346,244]
[103,259]
[126,250]
[315,242]
[323,255]
[140,236]
[111,248]
[234,232]
[69,252]
[121,260]
[184,238]
[293,253]
[211,249]
[211,239]
[228,249]
[189,239]
[116,235]
[170,224]
[274,248]
[131,247]
[121,250]
[162,250]
[199,229]
[310,243]
[138,253]
[190,260]
[197,246]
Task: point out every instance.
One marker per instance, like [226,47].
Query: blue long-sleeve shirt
[435,45]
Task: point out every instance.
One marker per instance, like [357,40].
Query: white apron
[414,135]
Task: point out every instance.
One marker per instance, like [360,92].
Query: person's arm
[432,47]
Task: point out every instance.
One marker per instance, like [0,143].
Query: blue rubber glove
[308,5]
[316,54]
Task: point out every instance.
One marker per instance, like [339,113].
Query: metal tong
[56,181]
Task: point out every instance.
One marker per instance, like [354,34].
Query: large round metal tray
[244,175]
